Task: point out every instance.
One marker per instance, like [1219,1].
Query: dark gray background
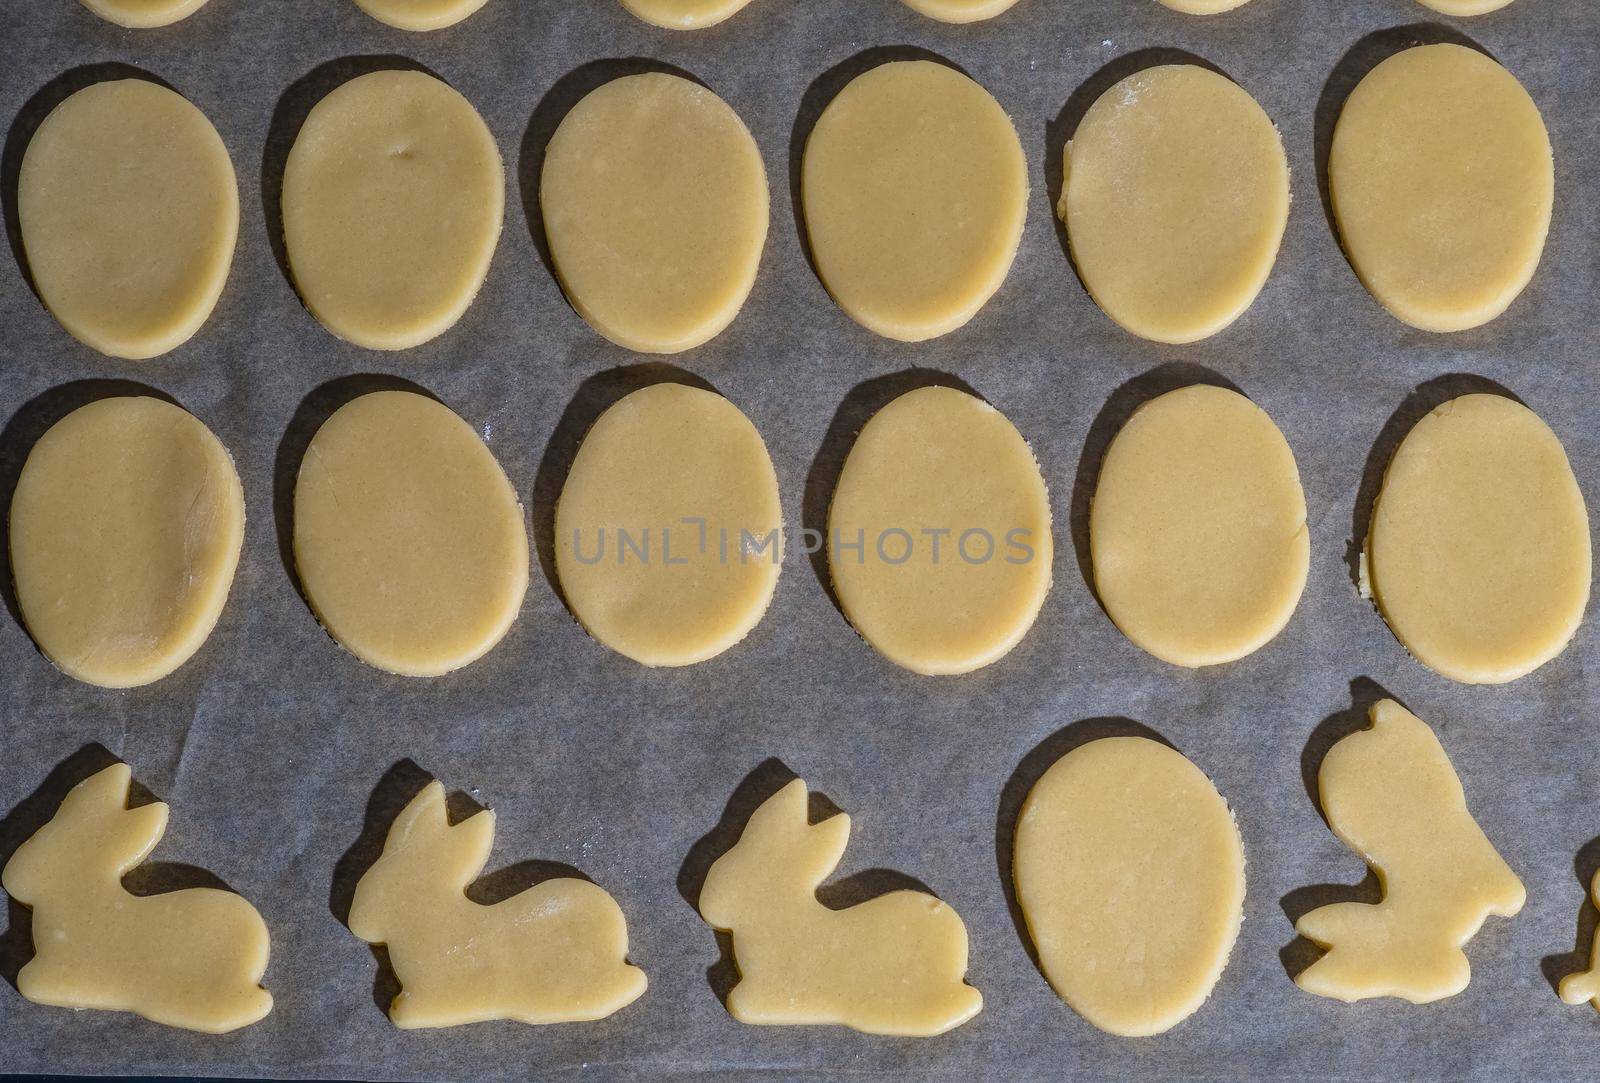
[270,743]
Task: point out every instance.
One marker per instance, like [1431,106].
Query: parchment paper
[278,752]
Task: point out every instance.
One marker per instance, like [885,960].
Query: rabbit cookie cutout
[1585,985]
[891,965]
[555,953]
[1391,794]
[191,958]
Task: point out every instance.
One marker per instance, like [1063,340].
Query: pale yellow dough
[655,202]
[952,518]
[143,14]
[1478,554]
[1198,530]
[891,965]
[668,530]
[393,197]
[126,527]
[960,11]
[192,958]
[684,14]
[1130,873]
[555,953]
[129,211]
[1175,197]
[1442,181]
[1464,8]
[420,14]
[915,190]
[408,538]
[1390,793]
[1202,7]
[1585,985]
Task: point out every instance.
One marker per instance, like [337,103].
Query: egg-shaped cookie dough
[1202,7]
[420,14]
[408,539]
[1442,179]
[1197,532]
[1130,873]
[960,11]
[393,197]
[939,541]
[654,200]
[1175,197]
[668,529]
[684,14]
[1464,8]
[1478,554]
[129,211]
[914,189]
[143,14]
[126,526]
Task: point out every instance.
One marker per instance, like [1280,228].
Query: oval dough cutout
[144,14]
[684,14]
[393,196]
[655,203]
[1442,180]
[1130,873]
[940,460]
[960,11]
[420,14]
[685,476]
[1175,199]
[915,189]
[408,538]
[129,210]
[126,527]
[1464,8]
[1478,555]
[1197,532]
[1202,7]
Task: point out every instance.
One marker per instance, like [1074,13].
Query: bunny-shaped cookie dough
[1585,984]
[891,965]
[1391,794]
[191,958]
[555,953]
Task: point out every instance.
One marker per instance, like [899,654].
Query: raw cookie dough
[1390,794]
[420,14]
[408,538]
[960,11]
[554,953]
[684,14]
[393,195]
[915,189]
[1478,554]
[1198,531]
[891,965]
[1130,874]
[1175,196]
[939,541]
[668,530]
[129,210]
[143,14]
[1462,8]
[1585,985]
[191,958]
[126,527]
[1202,7]
[655,202]
[1442,179]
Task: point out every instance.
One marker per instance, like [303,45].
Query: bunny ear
[423,818]
[102,792]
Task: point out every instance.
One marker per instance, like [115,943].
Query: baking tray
[283,757]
